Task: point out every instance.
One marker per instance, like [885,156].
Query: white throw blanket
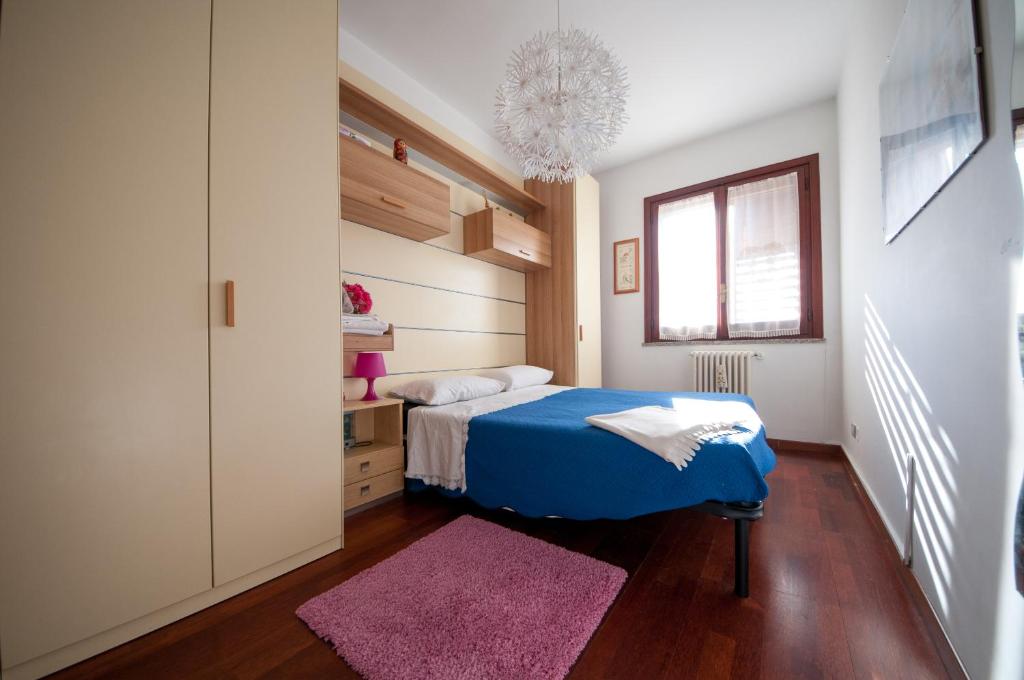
[677,433]
[437,435]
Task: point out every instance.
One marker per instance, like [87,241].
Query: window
[736,257]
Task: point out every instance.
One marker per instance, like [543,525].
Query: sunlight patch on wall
[908,424]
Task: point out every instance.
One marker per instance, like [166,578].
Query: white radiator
[725,371]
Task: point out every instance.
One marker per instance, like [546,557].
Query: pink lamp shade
[369,365]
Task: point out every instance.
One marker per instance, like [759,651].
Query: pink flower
[361,300]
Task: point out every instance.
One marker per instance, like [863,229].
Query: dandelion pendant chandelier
[562,103]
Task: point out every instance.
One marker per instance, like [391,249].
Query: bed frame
[741,513]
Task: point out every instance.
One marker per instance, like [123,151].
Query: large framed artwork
[930,106]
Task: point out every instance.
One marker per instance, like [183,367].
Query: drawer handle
[363,467]
[524,252]
[392,201]
[364,490]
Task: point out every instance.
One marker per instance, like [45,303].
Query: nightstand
[374,470]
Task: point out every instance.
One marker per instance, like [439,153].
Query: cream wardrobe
[152,459]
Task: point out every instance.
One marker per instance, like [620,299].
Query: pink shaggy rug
[471,600]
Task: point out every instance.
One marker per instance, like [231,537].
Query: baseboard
[947,654]
[815,448]
[83,649]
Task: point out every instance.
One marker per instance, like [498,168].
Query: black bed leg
[742,557]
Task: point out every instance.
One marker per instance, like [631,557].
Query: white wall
[796,387]
[929,356]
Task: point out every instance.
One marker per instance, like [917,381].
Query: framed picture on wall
[930,107]
[626,256]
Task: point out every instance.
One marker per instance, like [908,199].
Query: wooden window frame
[812,320]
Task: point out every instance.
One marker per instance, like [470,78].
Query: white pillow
[516,377]
[437,391]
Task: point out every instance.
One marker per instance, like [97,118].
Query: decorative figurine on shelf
[369,365]
[401,151]
[361,301]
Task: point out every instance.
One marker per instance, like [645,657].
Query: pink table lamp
[369,365]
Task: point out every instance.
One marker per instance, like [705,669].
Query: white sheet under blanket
[437,435]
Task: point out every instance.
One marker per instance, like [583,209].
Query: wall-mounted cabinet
[499,238]
[378,191]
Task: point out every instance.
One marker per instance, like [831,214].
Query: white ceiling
[695,67]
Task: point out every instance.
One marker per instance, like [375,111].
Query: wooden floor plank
[828,599]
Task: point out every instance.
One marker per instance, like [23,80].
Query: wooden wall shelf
[357,342]
[499,238]
[365,107]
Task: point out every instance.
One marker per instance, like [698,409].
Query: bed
[531,451]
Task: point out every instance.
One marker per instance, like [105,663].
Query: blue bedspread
[542,458]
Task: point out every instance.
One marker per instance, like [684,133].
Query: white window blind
[763,258]
[687,269]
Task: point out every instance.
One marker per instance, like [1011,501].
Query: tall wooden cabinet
[132,187]
[563,303]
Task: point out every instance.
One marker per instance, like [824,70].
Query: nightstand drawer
[373,488]
[375,460]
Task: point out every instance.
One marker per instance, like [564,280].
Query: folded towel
[363,321]
[677,433]
[363,331]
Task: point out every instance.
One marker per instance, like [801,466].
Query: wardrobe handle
[581,332]
[524,252]
[392,201]
[229,295]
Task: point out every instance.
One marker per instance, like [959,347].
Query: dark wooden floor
[828,596]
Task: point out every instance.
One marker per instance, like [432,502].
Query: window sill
[736,341]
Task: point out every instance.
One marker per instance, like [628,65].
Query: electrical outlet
[853,430]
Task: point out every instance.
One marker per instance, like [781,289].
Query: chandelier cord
[558,42]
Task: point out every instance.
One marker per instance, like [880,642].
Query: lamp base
[370,395]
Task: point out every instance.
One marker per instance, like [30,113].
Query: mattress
[533,452]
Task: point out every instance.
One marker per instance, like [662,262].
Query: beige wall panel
[377,253]
[443,350]
[406,305]
[442,353]
[453,239]
[588,282]
[275,380]
[104,477]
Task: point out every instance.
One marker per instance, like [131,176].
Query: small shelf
[352,406]
[357,342]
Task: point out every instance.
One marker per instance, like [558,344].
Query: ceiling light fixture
[562,103]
